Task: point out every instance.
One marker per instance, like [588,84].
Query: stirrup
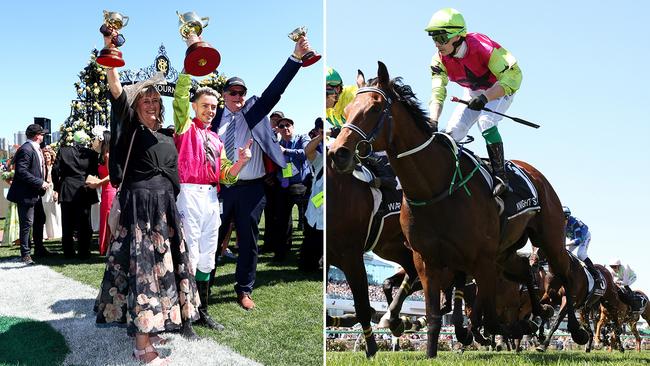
[500,187]
[138,354]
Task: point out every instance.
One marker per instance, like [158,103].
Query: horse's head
[368,124]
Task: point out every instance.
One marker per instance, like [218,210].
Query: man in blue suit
[28,185]
[243,202]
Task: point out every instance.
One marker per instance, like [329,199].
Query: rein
[368,139]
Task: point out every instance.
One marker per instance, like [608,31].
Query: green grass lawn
[476,358]
[286,327]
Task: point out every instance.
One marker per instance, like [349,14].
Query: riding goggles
[441,37]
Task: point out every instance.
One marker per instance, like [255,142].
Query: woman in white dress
[50,205]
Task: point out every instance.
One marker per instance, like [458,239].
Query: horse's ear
[361,79]
[382,74]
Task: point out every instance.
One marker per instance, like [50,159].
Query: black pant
[311,250]
[272,211]
[76,216]
[31,216]
[285,220]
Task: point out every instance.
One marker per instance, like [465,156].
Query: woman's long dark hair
[106,145]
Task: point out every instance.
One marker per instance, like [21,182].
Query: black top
[72,166]
[27,184]
[153,152]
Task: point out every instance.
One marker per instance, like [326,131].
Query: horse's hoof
[397,327]
[580,336]
[371,347]
[547,311]
[540,349]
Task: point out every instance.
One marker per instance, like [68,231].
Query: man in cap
[295,178]
[29,184]
[243,202]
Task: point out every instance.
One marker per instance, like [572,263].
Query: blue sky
[584,80]
[45,44]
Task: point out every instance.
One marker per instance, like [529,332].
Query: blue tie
[229,139]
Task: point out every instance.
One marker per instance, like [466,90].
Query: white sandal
[138,354]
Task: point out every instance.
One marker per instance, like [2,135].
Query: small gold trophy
[110,56]
[200,58]
[309,58]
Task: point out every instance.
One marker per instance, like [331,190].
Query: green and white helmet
[333,78]
[447,23]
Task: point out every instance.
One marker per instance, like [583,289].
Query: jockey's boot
[204,318]
[495,152]
[590,267]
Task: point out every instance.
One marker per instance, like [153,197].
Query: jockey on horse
[624,277]
[489,74]
[579,237]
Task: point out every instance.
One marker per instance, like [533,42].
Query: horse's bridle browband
[385,116]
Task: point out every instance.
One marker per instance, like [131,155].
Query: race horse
[450,226]
[349,211]
[586,303]
[614,310]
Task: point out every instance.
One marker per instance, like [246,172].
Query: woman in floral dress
[148,281]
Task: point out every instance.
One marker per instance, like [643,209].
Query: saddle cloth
[596,286]
[522,199]
[386,202]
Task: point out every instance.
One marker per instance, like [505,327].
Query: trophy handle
[180,17]
[206,19]
[125,20]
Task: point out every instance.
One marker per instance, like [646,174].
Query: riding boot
[590,267]
[204,318]
[495,152]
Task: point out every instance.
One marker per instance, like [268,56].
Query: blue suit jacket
[256,110]
[27,184]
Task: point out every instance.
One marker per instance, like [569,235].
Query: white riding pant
[463,118]
[582,248]
[199,209]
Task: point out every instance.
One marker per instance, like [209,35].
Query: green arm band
[439,80]
[202,276]
[504,66]
[181,104]
[224,175]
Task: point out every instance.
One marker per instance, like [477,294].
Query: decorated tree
[91,106]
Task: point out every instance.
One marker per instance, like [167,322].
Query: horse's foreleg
[560,316]
[430,279]
[462,335]
[409,284]
[347,320]
[637,336]
[355,273]
[599,326]
[584,317]
[578,334]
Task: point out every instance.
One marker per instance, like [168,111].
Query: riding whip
[518,120]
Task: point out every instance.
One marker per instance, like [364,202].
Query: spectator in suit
[297,178]
[28,185]
[241,120]
[72,167]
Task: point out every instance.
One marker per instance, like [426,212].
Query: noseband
[367,140]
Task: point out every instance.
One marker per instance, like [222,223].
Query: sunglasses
[233,93]
[332,90]
[284,125]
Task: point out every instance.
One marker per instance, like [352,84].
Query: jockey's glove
[477,103]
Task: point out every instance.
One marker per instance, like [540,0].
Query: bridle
[385,116]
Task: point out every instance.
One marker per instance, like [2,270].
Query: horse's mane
[403,93]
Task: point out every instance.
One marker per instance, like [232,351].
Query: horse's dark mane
[403,93]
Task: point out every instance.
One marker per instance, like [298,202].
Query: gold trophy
[200,58]
[110,56]
[309,58]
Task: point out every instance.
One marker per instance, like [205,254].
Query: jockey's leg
[591,268]
[495,152]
